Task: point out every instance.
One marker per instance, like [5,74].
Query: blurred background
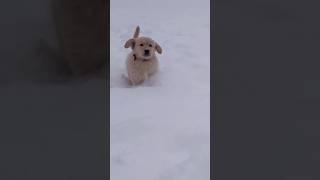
[48,129]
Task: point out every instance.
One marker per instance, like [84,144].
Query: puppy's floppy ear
[158,48]
[130,43]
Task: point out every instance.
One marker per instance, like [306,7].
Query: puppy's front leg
[145,77]
[136,78]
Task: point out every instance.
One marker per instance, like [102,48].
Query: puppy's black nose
[146,52]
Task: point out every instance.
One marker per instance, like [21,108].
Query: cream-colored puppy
[142,62]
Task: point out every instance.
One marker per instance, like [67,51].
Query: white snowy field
[160,130]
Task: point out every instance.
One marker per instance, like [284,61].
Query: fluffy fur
[142,62]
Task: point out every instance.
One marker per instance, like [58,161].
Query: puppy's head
[143,47]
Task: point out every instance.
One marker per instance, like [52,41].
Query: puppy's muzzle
[146,52]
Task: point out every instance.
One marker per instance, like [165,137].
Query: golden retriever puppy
[142,62]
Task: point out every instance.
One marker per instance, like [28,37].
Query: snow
[161,129]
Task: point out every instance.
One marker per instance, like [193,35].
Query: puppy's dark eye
[150,45]
[141,44]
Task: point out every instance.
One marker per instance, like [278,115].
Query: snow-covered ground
[160,130]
